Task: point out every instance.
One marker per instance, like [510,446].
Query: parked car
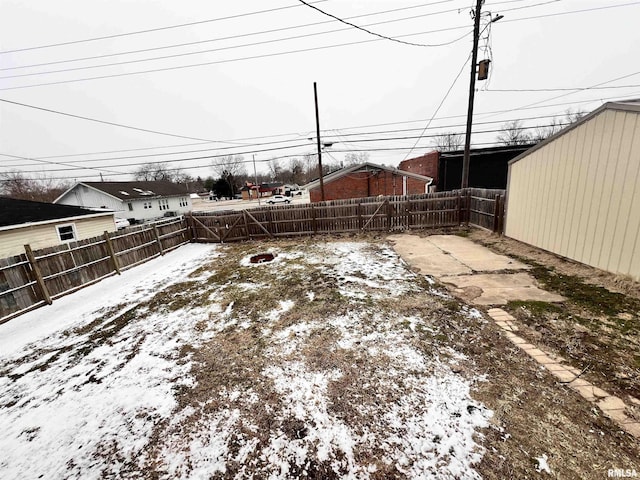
[278,199]
[122,223]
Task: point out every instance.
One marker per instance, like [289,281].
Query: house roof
[488,151]
[365,167]
[624,105]
[18,212]
[127,191]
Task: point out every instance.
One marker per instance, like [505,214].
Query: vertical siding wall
[579,195]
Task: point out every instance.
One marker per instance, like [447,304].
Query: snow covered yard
[327,362]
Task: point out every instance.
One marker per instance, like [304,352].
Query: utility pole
[315,96]
[255,175]
[472,88]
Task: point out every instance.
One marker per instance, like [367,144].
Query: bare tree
[448,142]
[542,133]
[573,116]
[29,186]
[556,125]
[231,169]
[161,171]
[355,158]
[275,169]
[513,133]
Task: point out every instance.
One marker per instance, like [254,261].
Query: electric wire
[276,54]
[262,32]
[383,37]
[157,29]
[81,117]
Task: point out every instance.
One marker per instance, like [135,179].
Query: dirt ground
[337,361]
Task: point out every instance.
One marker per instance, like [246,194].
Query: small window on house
[130,205]
[183,202]
[66,233]
[146,205]
[164,204]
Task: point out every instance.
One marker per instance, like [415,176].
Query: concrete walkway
[477,275]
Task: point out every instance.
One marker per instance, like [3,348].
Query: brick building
[487,166]
[368,180]
[426,165]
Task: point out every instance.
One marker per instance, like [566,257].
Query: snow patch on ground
[89,400]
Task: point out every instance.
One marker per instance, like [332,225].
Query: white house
[41,225]
[577,194]
[132,200]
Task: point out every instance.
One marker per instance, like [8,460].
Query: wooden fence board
[66,268]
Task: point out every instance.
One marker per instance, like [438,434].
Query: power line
[199,52]
[217,62]
[439,106]
[276,54]
[339,134]
[384,37]
[557,89]
[157,29]
[104,121]
[98,169]
[262,150]
[343,140]
[199,167]
[534,104]
[262,32]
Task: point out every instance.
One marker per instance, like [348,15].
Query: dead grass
[597,329]
[533,413]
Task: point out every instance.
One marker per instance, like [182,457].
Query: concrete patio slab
[474,256]
[499,288]
[427,257]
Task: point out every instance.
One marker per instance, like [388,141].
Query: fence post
[501,215]
[359,210]
[112,253]
[313,220]
[496,213]
[388,213]
[157,235]
[188,221]
[38,274]
[408,213]
[246,224]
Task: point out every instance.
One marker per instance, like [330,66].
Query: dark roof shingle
[142,189]
[17,212]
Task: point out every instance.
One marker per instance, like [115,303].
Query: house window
[146,205]
[130,205]
[164,204]
[66,233]
[183,202]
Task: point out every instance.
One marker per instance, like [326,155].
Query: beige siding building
[577,194]
[43,225]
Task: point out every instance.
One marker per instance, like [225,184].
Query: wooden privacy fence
[480,207]
[40,276]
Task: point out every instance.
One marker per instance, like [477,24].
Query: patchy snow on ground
[113,382]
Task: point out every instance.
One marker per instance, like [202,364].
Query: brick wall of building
[367,184]
[426,165]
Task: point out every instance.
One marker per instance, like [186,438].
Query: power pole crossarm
[472,87]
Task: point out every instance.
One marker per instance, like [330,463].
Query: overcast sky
[250,95]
